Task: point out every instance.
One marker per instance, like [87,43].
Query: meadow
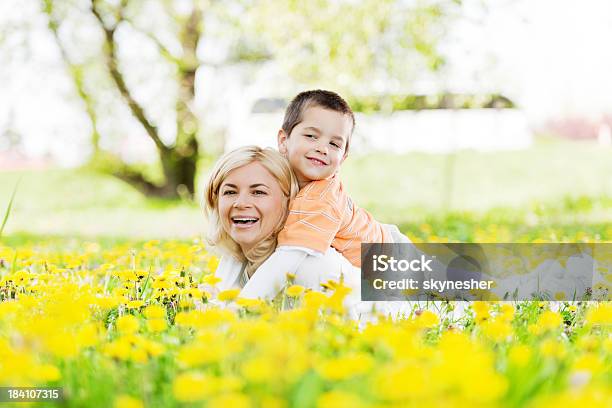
[113,297]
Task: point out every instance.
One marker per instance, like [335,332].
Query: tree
[354,47]
[361,47]
[179,158]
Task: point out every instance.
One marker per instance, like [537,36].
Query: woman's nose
[242,201]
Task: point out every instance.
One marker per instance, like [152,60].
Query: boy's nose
[322,148]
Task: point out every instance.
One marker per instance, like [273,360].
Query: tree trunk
[181,165]
[179,161]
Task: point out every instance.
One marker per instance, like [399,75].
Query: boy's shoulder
[319,189]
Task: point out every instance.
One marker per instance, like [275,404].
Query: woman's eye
[228,192]
[259,192]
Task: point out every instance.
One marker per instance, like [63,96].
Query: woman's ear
[282,142]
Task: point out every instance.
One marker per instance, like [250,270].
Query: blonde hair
[216,236]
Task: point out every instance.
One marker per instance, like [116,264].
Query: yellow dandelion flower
[600,315]
[213,263]
[211,280]
[186,303]
[589,362]
[126,401]
[45,373]
[228,295]
[88,335]
[534,329]
[259,370]
[552,348]
[345,367]
[119,349]
[58,345]
[135,304]
[497,330]
[250,303]
[127,324]
[314,300]
[482,310]
[155,312]
[519,355]
[273,402]
[333,399]
[157,325]
[161,284]
[138,355]
[234,400]
[549,320]
[506,312]
[427,319]
[153,348]
[295,290]
[191,387]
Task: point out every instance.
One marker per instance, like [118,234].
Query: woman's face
[250,204]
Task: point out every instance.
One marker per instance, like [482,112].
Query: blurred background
[476,120]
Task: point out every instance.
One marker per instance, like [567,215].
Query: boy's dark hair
[318,97]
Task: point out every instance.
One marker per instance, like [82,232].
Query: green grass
[394,186]
[552,184]
[7,213]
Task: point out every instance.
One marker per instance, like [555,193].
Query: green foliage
[391,103]
[352,47]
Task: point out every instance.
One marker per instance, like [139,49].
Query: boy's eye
[309,136]
[336,145]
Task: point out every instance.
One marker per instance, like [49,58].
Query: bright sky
[551,56]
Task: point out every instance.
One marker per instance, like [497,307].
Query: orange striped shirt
[323,215]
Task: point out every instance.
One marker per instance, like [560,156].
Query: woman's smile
[244,222]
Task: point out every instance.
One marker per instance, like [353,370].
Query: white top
[310,271]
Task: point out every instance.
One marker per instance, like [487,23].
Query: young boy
[315,138]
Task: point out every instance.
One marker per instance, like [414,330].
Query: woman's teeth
[244,220]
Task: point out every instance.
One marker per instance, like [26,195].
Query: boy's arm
[270,277]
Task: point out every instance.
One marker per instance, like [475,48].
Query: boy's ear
[344,156]
[282,142]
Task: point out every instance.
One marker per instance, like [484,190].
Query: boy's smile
[316,147]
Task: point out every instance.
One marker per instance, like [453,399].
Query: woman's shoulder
[229,271]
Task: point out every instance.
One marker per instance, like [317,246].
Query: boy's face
[316,146]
